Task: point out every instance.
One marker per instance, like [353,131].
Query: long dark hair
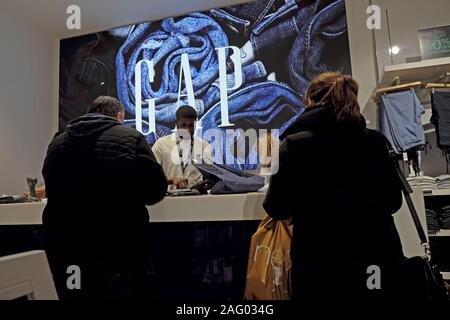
[337,91]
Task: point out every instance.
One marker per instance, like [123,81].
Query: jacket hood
[318,117]
[90,124]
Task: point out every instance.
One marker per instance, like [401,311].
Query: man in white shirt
[176,152]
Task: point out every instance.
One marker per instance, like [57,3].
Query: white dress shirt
[178,164]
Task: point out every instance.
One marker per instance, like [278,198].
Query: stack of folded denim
[445,217]
[425,182]
[443,181]
[433,222]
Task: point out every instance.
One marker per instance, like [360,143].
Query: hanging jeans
[440,102]
[399,119]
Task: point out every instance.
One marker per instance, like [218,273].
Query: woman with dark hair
[337,181]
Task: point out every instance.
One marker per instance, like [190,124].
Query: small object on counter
[6,199]
[183,192]
[12,199]
[178,183]
[35,194]
[32,182]
[202,186]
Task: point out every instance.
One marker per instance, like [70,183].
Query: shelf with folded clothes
[441,233]
[432,186]
[437,210]
[440,250]
[438,192]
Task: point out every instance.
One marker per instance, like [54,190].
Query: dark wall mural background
[282,45]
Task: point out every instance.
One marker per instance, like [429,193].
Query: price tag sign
[435,42]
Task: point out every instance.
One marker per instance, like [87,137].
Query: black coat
[340,186]
[99,175]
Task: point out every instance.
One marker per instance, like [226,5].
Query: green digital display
[435,42]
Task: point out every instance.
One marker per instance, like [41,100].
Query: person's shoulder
[167,139]
[126,131]
[300,137]
[58,140]
[376,136]
[298,141]
[122,134]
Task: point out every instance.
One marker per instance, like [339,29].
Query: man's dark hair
[186,111]
[109,106]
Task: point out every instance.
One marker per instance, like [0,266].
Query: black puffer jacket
[338,183]
[99,175]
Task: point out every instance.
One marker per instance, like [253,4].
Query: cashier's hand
[40,193]
[179,183]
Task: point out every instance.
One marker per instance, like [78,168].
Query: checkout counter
[202,208]
[200,244]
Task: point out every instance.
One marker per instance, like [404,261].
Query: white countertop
[231,207]
[227,207]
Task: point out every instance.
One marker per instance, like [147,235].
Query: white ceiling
[96,15]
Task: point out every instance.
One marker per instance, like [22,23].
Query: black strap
[180,155]
[407,190]
[447,157]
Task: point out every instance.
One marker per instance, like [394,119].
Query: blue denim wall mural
[270,50]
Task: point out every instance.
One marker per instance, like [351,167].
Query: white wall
[406,17]
[370,49]
[29,77]
[362,48]
[27,106]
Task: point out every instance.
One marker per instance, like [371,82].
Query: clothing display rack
[436,201]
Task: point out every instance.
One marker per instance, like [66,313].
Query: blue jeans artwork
[196,34]
[261,101]
[317,30]
[261,105]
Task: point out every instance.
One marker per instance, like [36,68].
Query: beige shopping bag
[269,262]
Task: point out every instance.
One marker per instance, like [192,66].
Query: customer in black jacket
[99,175]
[337,181]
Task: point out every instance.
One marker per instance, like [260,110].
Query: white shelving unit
[425,70]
